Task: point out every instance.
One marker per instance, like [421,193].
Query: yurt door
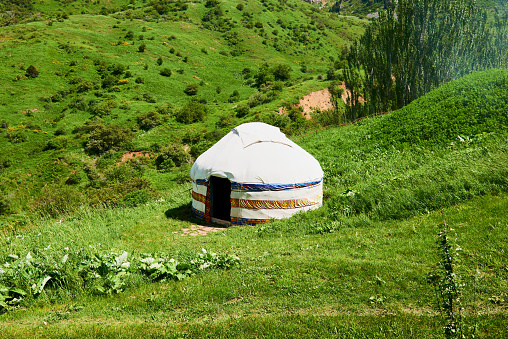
[220,196]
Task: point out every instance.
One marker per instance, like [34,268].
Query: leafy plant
[106,137]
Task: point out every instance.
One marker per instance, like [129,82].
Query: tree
[412,48]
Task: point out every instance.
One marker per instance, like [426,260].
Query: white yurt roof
[257,153]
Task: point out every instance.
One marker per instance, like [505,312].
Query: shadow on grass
[182,213]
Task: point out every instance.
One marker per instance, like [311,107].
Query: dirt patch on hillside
[131,155]
[320,100]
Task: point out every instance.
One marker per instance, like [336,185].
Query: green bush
[165,72]
[148,120]
[121,173]
[242,111]
[113,194]
[106,137]
[137,198]
[192,111]
[281,72]
[191,89]
[85,86]
[171,156]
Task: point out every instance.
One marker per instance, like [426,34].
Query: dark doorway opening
[220,190]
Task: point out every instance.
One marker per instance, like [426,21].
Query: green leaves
[100,273]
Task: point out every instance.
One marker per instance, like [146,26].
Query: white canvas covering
[270,176]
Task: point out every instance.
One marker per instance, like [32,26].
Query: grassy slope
[357,267]
[68,50]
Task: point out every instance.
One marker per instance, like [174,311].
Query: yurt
[254,174]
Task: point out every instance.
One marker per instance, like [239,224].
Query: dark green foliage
[239,7]
[281,72]
[234,97]
[191,89]
[148,120]
[192,111]
[103,107]
[399,59]
[159,61]
[109,81]
[174,155]
[137,198]
[226,121]
[141,48]
[113,193]
[32,72]
[214,18]
[242,111]
[165,72]
[106,137]
[84,86]
[56,143]
[129,35]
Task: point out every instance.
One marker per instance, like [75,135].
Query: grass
[67,52]
[339,281]
[356,268]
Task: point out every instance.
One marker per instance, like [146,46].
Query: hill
[366,264]
[150,76]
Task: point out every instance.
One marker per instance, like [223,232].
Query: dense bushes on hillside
[192,111]
[106,137]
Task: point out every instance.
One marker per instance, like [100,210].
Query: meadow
[415,207]
[361,266]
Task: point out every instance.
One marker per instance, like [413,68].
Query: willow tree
[416,45]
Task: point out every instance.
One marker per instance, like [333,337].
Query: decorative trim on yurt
[242,201]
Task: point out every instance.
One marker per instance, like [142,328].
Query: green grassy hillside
[361,264]
[149,76]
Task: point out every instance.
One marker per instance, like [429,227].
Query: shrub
[56,143]
[191,89]
[106,137]
[32,72]
[109,81]
[121,173]
[84,86]
[148,120]
[192,111]
[239,7]
[225,121]
[136,198]
[139,80]
[165,72]
[281,72]
[129,35]
[171,156]
[141,48]
[159,61]
[242,111]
